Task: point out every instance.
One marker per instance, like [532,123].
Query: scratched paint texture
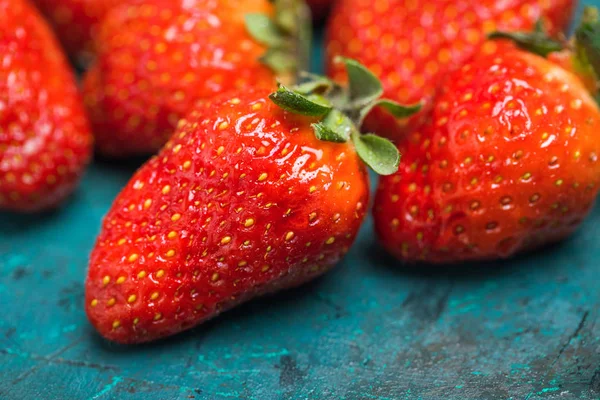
[522,329]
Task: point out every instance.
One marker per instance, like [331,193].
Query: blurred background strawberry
[76,24]
[158,59]
[413,44]
[45,138]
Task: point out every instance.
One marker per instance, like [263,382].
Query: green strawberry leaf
[262,28]
[293,19]
[312,105]
[588,44]
[287,35]
[363,86]
[537,42]
[322,132]
[399,110]
[342,111]
[286,15]
[378,153]
[539,26]
[335,127]
[396,109]
[532,42]
[279,60]
[590,14]
[314,84]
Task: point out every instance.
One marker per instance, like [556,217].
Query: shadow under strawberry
[14,223]
[379,259]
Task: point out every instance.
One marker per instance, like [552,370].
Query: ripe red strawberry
[319,8]
[157,60]
[507,162]
[243,200]
[45,140]
[413,44]
[76,23]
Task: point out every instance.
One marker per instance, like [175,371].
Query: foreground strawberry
[45,140]
[243,200]
[157,60]
[76,23]
[413,44]
[507,162]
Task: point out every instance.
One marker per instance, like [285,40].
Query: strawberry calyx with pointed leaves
[585,45]
[342,110]
[287,36]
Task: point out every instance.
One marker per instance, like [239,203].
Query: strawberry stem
[287,36]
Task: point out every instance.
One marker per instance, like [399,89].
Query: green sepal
[314,84]
[287,36]
[399,110]
[378,153]
[312,105]
[537,42]
[590,14]
[278,60]
[322,132]
[285,16]
[335,127]
[587,38]
[396,109]
[264,30]
[363,86]
[294,19]
[342,110]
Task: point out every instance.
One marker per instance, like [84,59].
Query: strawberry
[76,23]
[244,200]
[319,8]
[507,161]
[412,45]
[157,60]
[45,139]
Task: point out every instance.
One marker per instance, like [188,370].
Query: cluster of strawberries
[258,179]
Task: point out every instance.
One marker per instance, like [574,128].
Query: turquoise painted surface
[522,329]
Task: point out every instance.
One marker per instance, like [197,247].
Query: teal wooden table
[527,328]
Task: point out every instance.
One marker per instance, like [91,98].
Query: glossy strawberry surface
[412,45]
[76,23]
[243,201]
[508,161]
[156,60]
[45,139]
